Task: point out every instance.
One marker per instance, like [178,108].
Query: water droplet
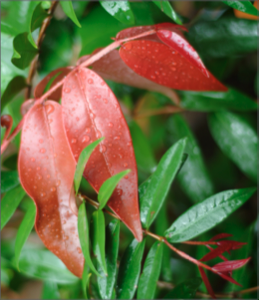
[87,130]
[110,124]
[153,76]
[73,141]
[48,176]
[86,138]
[117,138]
[79,250]
[32,159]
[67,90]
[119,192]
[103,149]
[43,194]
[42,150]
[53,189]
[127,46]
[58,183]
[90,81]
[49,108]
[40,141]
[98,134]
[125,165]
[105,100]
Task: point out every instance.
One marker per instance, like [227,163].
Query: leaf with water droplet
[83,158]
[51,191]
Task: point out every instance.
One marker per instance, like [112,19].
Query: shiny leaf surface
[106,283]
[244,6]
[9,180]
[46,169]
[86,281]
[87,98]
[129,270]
[69,11]
[237,139]
[207,214]
[230,265]
[160,183]
[151,272]
[167,8]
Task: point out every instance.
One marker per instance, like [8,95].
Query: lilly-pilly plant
[73,127]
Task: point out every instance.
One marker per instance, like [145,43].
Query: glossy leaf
[50,290]
[185,290]
[129,270]
[69,11]
[193,177]
[144,154]
[151,272]
[216,252]
[9,180]
[237,139]
[228,266]
[83,232]
[167,8]
[106,283]
[86,281]
[216,101]
[46,169]
[24,231]
[207,214]
[44,265]
[87,98]
[244,6]
[120,10]
[98,238]
[109,186]
[9,203]
[160,183]
[83,158]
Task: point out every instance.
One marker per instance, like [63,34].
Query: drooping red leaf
[221,236]
[207,283]
[90,111]
[233,245]
[159,63]
[112,67]
[7,122]
[46,170]
[216,252]
[230,265]
[59,74]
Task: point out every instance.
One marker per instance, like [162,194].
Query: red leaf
[207,283]
[40,87]
[233,245]
[221,236]
[112,67]
[7,122]
[216,252]
[91,111]
[228,266]
[46,170]
[158,63]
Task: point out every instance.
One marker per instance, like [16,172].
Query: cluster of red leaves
[54,135]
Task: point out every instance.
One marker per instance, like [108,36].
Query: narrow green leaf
[50,290]
[9,203]
[106,283]
[151,272]
[193,177]
[244,6]
[85,281]
[39,14]
[44,265]
[237,139]
[83,158]
[159,185]
[129,270]
[143,152]
[9,180]
[98,238]
[24,231]
[120,10]
[185,290]
[167,8]
[69,11]
[216,101]
[83,232]
[109,186]
[207,214]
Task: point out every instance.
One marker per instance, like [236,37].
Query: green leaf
[129,270]
[143,152]
[24,52]
[120,10]
[185,290]
[106,283]
[83,158]
[39,15]
[69,11]
[109,186]
[223,37]
[237,140]
[44,265]
[244,6]
[216,101]
[85,281]
[98,238]
[167,8]
[160,183]
[193,177]
[9,180]
[83,232]
[207,214]
[151,272]
[50,290]
[24,231]
[9,203]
